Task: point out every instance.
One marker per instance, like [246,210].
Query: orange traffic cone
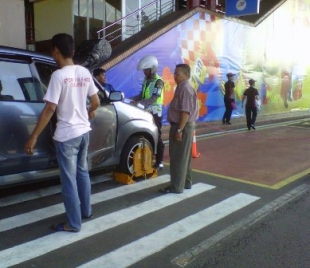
[195,154]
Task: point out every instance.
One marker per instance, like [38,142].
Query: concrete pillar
[192,3]
[211,4]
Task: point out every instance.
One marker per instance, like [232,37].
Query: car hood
[129,112]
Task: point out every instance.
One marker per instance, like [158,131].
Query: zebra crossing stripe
[148,245]
[43,245]
[27,196]
[47,212]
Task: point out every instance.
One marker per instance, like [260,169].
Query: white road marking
[47,212]
[43,245]
[148,245]
[27,196]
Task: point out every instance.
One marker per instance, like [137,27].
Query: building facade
[36,21]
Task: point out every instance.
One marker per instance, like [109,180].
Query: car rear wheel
[129,151]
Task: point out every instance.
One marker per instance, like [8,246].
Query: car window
[17,82]
[31,88]
[45,72]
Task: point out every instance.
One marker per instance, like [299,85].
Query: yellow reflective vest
[149,90]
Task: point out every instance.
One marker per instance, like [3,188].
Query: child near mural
[229,98]
[250,95]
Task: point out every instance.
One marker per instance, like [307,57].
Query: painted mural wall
[276,54]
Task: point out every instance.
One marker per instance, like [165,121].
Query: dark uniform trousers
[251,114]
[228,110]
[181,157]
[160,144]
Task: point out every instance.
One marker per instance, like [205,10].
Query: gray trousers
[181,157]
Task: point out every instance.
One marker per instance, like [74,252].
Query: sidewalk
[261,164]
[237,123]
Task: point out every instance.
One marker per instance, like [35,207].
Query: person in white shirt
[67,94]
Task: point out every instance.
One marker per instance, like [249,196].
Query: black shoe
[159,166]
[87,218]
[188,187]
[253,127]
[223,121]
[228,123]
[249,128]
[168,190]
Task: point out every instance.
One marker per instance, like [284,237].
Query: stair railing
[136,21]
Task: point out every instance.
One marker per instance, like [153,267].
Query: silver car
[118,129]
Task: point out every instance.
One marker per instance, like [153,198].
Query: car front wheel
[129,152]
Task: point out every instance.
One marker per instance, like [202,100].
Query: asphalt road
[280,239]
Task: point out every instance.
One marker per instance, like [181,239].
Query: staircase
[131,35]
[146,35]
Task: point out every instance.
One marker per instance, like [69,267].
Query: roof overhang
[266,7]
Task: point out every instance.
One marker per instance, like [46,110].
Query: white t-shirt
[69,88]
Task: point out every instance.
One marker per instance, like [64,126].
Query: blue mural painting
[213,47]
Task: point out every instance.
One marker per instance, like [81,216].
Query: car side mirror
[116,96]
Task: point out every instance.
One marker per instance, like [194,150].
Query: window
[45,72]
[18,83]
[91,16]
[11,74]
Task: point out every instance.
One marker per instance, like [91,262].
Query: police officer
[151,98]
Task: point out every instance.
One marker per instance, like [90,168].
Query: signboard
[241,7]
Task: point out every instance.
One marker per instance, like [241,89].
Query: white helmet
[148,62]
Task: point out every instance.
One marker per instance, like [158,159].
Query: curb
[203,128]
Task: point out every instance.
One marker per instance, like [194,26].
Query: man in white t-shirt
[67,95]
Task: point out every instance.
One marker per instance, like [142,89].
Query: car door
[103,134]
[19,113]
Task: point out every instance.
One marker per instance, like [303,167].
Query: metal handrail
[129,15]
[164,9]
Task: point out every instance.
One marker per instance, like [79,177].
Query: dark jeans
[251,114]
[160,144]
[228,109]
